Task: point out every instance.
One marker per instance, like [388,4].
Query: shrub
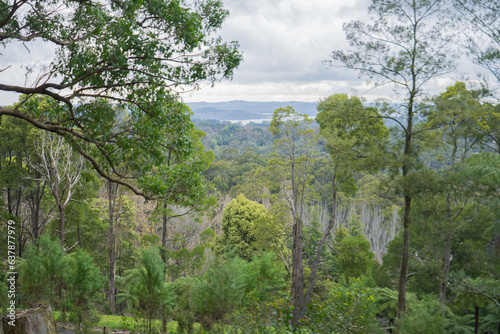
[349,309]
[145,287]
[43,272]
[84,291]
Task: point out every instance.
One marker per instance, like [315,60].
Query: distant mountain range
[246,110]
[255,111]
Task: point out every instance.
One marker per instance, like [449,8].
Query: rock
[38,320]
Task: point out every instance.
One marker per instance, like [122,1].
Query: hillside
[246,110]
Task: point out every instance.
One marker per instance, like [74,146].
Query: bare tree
[61,170]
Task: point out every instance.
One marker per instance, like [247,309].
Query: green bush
[84,291]
[43,273]
[239,285]
[422,317]
[146,289]
[239,226]
[349,309]
[354,256]
[184,309]
[220,291]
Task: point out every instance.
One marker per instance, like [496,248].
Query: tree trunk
[476,321]
[405,256]
[297,273]
[62,218]
[446,270]
[80,237]
[112,247]
[164,227]
[319,251]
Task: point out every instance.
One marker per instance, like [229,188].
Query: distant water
[247,121]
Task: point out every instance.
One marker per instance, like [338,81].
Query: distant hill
[246,110]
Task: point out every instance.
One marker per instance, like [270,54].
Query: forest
[122,213]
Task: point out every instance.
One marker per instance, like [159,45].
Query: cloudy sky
[284,44]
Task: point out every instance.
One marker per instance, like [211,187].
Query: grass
[122,322]
[130,323]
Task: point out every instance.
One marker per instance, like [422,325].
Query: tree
[405,48]
[22,187]
[483,35]
[354,256]
[454,138]
[355,138]
[295,139]
[183,182]
[84,290]
[115,77]
[239,228]
[61,171]
[43,271]
[146,287]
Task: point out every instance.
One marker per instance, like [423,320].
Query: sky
[284,45]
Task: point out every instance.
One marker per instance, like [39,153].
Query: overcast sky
[284,44]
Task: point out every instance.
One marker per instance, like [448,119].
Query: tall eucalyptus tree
[405,45]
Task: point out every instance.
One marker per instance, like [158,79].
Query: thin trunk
[446,270]
[164,227]
[80,236]
[297,272]
[62,218]
[403,277]
[112,248]
[476,319]
[297,262]
[319,251]
[405,256]
[35,217]
[447,250]
[9,202]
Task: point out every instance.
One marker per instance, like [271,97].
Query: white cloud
[284,44]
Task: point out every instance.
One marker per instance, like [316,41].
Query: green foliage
[348,309]
[354,256]
[238,284]
[355,135]
[387,301]
[43,271]
[182,260]
[120,67]
[423,317]
[484,168]
[264,279]
[146,289]
[220,291]
[184,289]
[96,231]
[84,286]
[239,228]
